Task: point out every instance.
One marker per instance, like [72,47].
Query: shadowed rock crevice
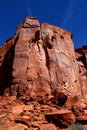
[6,70]
[83,55]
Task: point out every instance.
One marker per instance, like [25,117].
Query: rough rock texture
[81,56]
[39,59]
[42,79]
[61,118]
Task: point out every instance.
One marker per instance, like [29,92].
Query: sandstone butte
[43,80]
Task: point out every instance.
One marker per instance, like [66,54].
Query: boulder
[82,119]
[49,126]
[61,118]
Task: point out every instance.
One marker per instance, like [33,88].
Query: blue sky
[68,14]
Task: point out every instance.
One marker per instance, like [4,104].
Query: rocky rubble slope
[42,79]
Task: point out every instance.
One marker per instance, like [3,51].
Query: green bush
[35,118]
[76,127]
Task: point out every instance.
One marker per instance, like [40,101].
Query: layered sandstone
[38,61]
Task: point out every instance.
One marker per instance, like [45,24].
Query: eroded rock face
[81,56]
[38,61]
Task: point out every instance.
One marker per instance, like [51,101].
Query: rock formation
[41,60]
[39,67]
[81,56]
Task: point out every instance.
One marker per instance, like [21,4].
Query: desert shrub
[35,118]
[76,127]
[2,122]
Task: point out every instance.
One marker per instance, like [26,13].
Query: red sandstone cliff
[39,64]
[41,59]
